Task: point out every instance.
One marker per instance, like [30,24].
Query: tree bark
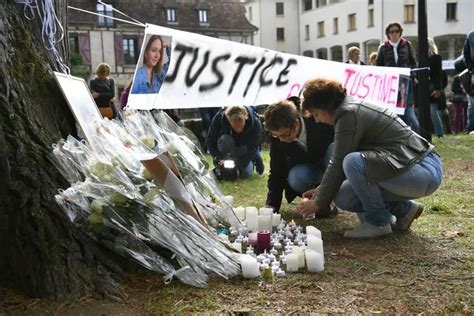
[42,254]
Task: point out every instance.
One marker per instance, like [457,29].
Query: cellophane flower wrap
[137,212]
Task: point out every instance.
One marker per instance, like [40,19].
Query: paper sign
[209,72]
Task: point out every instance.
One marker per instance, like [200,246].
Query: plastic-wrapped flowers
[173,203]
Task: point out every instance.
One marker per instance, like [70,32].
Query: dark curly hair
[280,115]
[322,93]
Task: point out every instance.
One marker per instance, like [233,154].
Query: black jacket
[106,89]
[406,55]
[436,75]
[284,156]
[249,137]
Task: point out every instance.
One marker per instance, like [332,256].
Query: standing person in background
[234,135]
[353,56]
[459,99]
[443,106]
[435,82]
[124,96]
[468,53]
[398,52]
[299,152]
[103,91]
[373,59]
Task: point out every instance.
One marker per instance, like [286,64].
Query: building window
[322,53]
[130,50]
[250,14]
[320,3]
[171,15]
[104,10]
[202,16]
[280,9]
[280,34]
[370,18]
[451,11]
[321,29]
[307,5]
[409,13]
[306,32]
[371,2]
[351,22]
[308,53]
[336,25]
[74,43]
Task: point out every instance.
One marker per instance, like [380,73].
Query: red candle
[263,240]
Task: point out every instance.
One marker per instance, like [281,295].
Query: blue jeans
[304,177]
[378,201]
[470,113]
[436,120]
[409,117]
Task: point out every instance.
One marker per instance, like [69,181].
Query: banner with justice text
[179,69]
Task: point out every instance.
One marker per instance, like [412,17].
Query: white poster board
[80,101]
[210,72]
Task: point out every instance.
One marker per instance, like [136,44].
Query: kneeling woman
[377,164]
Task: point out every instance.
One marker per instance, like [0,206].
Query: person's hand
[311,194]
[436,93]
[95,95]
[307,207]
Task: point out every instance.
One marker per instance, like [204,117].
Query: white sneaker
[365,230]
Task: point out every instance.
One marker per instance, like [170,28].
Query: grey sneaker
[365,230]
[405,222]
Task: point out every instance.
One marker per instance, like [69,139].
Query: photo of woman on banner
[155,59]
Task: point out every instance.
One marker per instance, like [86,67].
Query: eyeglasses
[286,134]
[394,31]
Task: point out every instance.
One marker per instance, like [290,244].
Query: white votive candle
[250,267]
[292,262]
[265,211]
[240,212]
[316,244]
[251,217]
[276,219]
[265,223]
[300,252]
[314,261]
[311,230]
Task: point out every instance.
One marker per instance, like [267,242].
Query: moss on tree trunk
[40,252]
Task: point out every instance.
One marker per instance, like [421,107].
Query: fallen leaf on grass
[346,253]
[452,234]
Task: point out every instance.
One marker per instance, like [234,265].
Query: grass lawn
[429,269]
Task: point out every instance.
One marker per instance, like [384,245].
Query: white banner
[195,71]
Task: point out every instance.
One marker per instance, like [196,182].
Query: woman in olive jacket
[377,163]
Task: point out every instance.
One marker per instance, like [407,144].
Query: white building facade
[327,28]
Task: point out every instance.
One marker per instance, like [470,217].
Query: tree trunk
[42,254]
